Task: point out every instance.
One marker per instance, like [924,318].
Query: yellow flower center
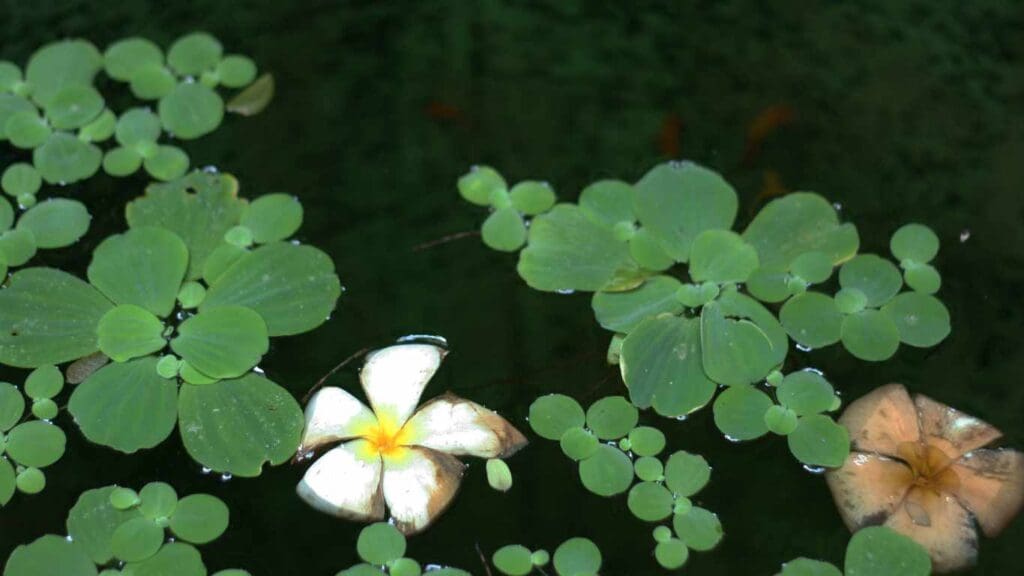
[386,437]
[930,465]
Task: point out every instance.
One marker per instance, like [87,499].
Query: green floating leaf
[191,110]
[577,556]
[237,425]
[35,443]
[56,223]
[819,441]
[923,278]
[922,320]
[63,159]
[126,406]
[129,331]
[608,202]
[686,474]
[74,106]
[190,375]
[607,472]
[152,81]
[136,539]
[739,412]
[143,266]
[293,287]
[671,554]
[199,518]
[662,367]
[646,441]
[798,223]
[45,409]
[850,300]
[48,317]
[812,319]
[158,500]
[174,558]
[8,481]
[499,475]
[236,71]
[780,420]
[552,415]
[191,295]
[50,555]
[612,417]
[124,498]
[10,76]
[169,163]
[6,215]
[194,53]
[623,311]
[677,201]
[877,278]
[644,248]
[513,560]
[100,128]
[121,161]
[700,529]
[871,335]
[649,469]
[11,106]
[12,406]
[808,567]
[253,99]
[222,342]
[880,551]
[812,267]
[44,382]
[914,242]
[650,501]
[721,256]
[380,543]
[137,126]
[20,178]
[30,481]
[272,217]
[27,130]
[569,251]
[17,247]
[60,64]
[578,443]
[734,351]
[123,59]
[532,198]
[504,230]
[806,392]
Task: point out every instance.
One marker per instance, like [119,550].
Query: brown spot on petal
[868,488]
[419,487]
[951,430]
[942,526]
[881,420]
[991,486]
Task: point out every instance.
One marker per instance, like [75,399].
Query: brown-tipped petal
[419,483]
[940,524]
[868,488]
[881,420]
[394,378]
[346,482]
[991,486]
[951,430]
[460,427]
[333,414]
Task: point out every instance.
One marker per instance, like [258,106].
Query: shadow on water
[905,111]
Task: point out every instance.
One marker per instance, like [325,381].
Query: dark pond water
[904,111]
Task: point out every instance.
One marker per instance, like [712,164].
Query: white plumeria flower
[395,453]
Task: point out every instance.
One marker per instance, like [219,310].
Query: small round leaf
[607,472]
[552,415]
[380,543]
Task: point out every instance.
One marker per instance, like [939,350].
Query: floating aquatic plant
[116,530]
[612,451]
[381,546]
[29,444]
[872,551]
[396,453]
[920,468]
[574,557]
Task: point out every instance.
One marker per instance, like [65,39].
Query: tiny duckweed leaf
[129,331]
[806,392]
[123,59]
[239,236]
[222,342]
[552,415]
[504,230]
[44,382]
[914,242]
[812,319]
[624,311]
[661,365]
[237,425]
[100,128]
[27,130]
[808,567]
[174,558]
[169,163]
[63,159]
[671,554]
[60,64]
[255,98]
[152,81]
[236,71]
[124,498]
[646,441]
[199,518]
[923,278]
[819,441]
[513,560]
[191,295]
[700,529]
[50,555]
[797,223]
[877,278]
[121,161]
[194,53]
[871,335]
[48,317]
[56,223]
[157,500]
[10,106]
[578,443]
[721,256]
[380,543]
[191,110]
[17,246]
[143,266]
[272,217]
[612,417]
[814,267]
[850,300]
[12,406]
[734,351]
[20,178]
[135,126]
[569,251]
[780,420]
[650,501]
[644,248]
[499,475]
[30,481]
[921,320]
[293,287]
[577,556]
[10,76]
[739,412]
[126,406]
[220,260]
[607,472]
[608,202]
[880,551]
[649,469]
[686,474]
[677,201]
[45,409]
[137,539]
[35,443]
[74,106]
[532,198]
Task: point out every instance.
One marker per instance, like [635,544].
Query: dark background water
[904,111]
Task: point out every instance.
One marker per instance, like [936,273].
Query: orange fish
[441,111]
[771,187]
[764,125]
[669,135]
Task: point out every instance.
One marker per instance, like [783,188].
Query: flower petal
[457,426]
[991,486]
[940,524]
[881,420]
[346,482]
[951,430]
[333,414]
[394,377]
[419,483]
[868,488]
